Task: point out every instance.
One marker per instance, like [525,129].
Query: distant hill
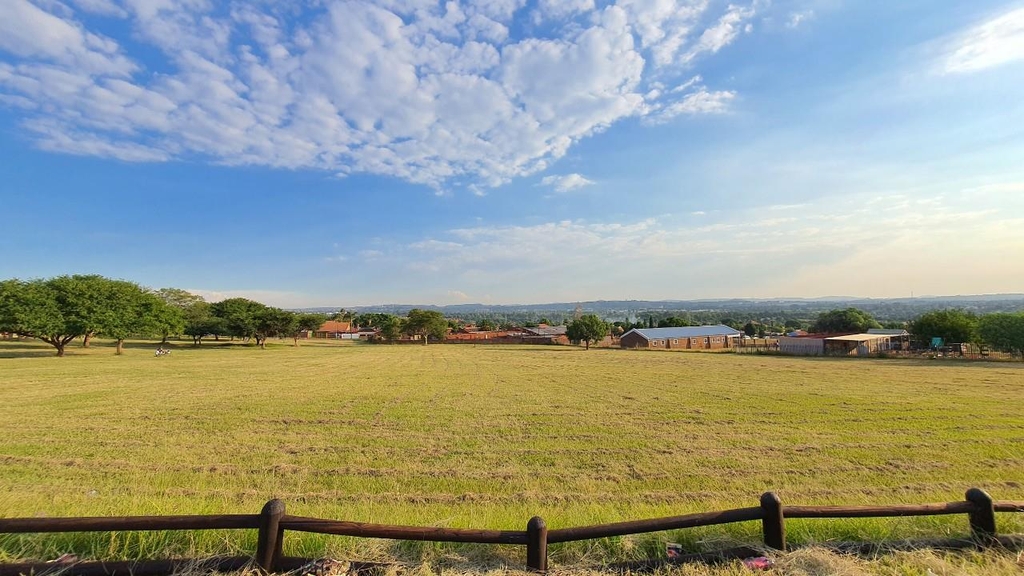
[882,308]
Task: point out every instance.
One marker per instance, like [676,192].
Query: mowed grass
[488,436]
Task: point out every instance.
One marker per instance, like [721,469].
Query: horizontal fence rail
[272,522]
[430,534]
[654,525]
[129,523]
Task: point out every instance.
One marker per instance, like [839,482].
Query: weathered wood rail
[272,522]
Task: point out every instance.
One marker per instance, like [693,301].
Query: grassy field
[487,437]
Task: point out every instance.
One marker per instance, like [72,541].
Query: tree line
[58,310]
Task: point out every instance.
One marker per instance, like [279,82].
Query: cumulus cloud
[993,43]
[566,183]
[433,93]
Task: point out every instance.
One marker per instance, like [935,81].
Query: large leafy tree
[587,328]
[172,318]
[426,323]
[239,316]
[199,321]
[49,310]
[1004,331]
[390,326]
[308,322]
[129,310]
[87,291]
[270,322]
[848,320]
[950,325]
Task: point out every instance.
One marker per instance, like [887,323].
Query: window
[675,341]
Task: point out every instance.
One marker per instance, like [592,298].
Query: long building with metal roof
[682,338]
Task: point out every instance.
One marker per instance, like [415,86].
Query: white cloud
[834,246]
[722,33]
[797,18]
[436,94]
[993,43]
[700,102]
[458,295]
[566,183]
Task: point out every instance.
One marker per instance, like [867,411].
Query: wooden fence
[272,522]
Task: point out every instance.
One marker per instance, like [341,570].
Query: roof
[858,337]
[888,332]
[684,332]
[335,326]
[546,330]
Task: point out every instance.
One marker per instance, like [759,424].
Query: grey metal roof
[685,332]
[546,330]
[888,332]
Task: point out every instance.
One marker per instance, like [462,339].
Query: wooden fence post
[537,544]
[773,525]
[270,536]
[983,519]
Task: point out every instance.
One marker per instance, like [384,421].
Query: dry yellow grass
[486,437]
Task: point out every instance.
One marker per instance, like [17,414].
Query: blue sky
[349,153]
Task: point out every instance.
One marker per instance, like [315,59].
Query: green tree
[951,325]
[306,323]
[343,316]
[427,323]
[793,324]
[269,322]
[173,317]
[750,328]
[1003,331]
[128,310]
[587,328]
[200,321]
[391,327]
[485,324]
[674,321]
[87,290]
[45,309]
[848,320]
[240,316]
[374,319]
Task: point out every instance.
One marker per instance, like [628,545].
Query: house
[334,329]
[683,338]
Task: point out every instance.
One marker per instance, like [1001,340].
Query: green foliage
[674,321]
[126,309]
[587,328]
[750,328]
[848,320]
[50,310]
[427,323]
[342,316]
[390,326]
[485,324]
[374,319]
[309,322]
[1003,331]
[240,316]
[951,325]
